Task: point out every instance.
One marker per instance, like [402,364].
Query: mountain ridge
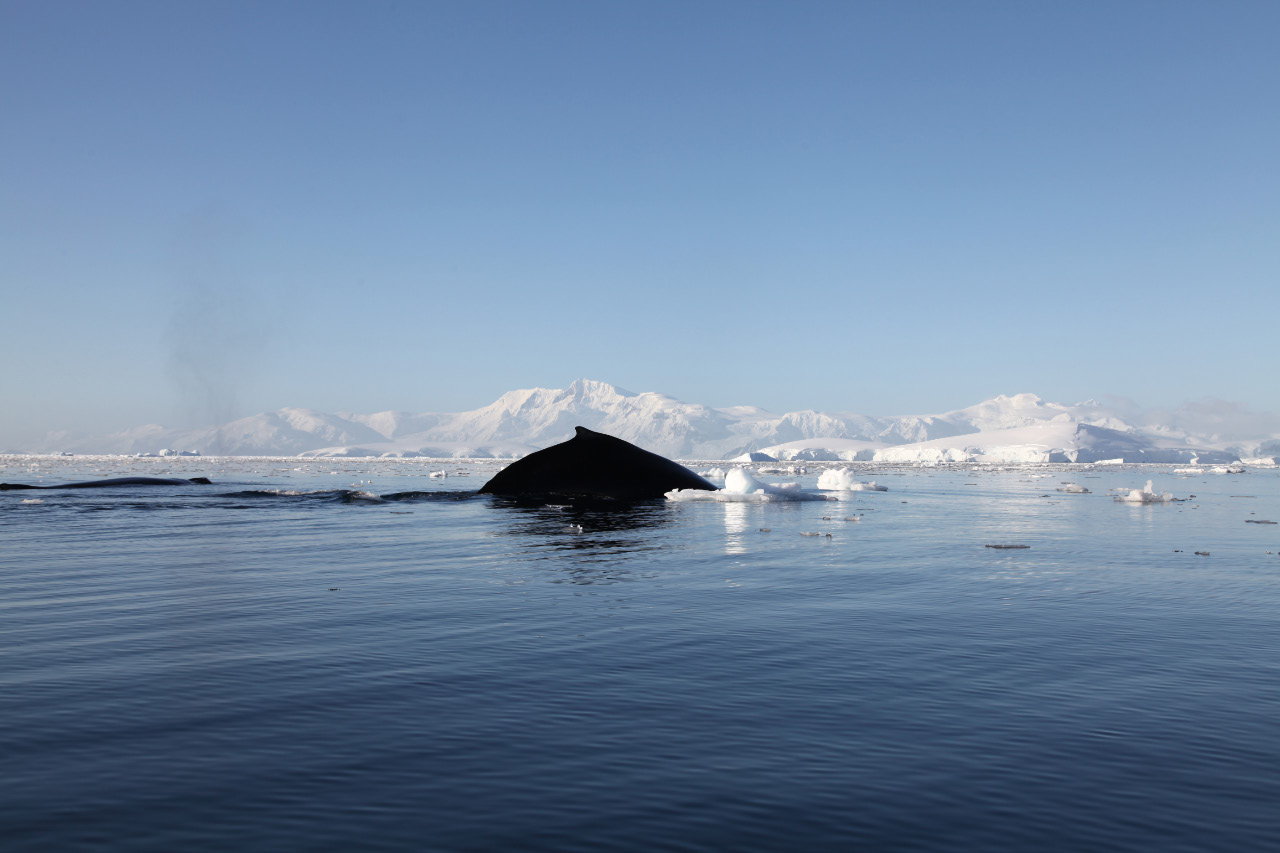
[523,420]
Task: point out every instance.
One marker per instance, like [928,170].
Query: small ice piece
[844,480]
[1073,489]
[784,469]
[1145,496]
[41,500]
[713,474]
[439,474]
[1009,547]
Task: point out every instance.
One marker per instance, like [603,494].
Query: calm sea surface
[337,654]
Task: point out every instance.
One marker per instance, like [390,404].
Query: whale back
[116,481]
[593,465]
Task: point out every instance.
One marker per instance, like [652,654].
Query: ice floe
[741,486]
[844,480]
[1147,495]
[774,469]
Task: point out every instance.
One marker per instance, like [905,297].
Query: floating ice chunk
[843,480]
[1145,496]
[689,495]
[41,500]
[438,474]
[1073,489]
[713,474]
[740,485]
[739,481]
[834,479]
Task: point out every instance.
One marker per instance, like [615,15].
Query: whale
[116,481]
[592,466]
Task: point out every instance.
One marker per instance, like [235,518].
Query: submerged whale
[117,481]
[593,465]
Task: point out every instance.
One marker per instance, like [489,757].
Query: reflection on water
[736,524]
[590,542]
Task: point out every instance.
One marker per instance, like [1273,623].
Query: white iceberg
[1145,496]
[843,480]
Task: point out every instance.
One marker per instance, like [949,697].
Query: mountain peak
[596,388]
[1024,399]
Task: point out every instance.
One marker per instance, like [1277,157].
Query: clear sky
[209,209]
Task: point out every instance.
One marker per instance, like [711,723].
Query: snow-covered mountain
[1006,428]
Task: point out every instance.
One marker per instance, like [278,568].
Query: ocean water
[340,654]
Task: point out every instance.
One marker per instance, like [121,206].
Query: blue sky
[213,209]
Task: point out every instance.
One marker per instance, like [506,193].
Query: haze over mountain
[1021,427]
